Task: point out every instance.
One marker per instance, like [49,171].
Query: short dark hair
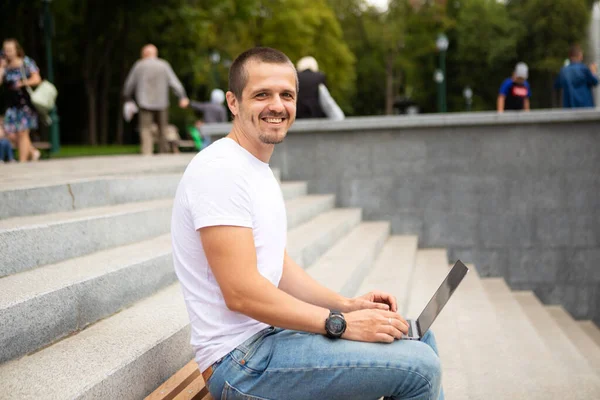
[238,76]
[574,51]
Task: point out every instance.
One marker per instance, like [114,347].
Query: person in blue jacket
[577,80]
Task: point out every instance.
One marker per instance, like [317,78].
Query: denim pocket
[231,393]
[257,356]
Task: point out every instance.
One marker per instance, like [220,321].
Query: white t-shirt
[224,185]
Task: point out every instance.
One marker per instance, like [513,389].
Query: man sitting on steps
[262,328]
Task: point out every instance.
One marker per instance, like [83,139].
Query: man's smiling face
[267,108]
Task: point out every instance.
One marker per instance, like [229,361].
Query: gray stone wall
[516,194]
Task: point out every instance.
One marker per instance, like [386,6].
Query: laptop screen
[441,296]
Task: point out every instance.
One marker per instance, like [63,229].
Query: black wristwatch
[335,325]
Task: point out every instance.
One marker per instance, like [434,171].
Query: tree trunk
[389,85]
[104,108]
[90,89]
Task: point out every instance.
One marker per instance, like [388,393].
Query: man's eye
[288,95]
[261,95]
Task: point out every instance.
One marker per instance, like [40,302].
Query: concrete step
[28,242]
[393,269]
[63,171]
[487,346]
[351,257]
[307,242]
[591,329]
[586,345]
[46,304]
[546,327]
[562,382]
[99,192]
[125,356]
[307,207]
[291,190]
[86,193]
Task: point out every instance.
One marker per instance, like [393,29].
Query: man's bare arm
[232,257]
[500,103]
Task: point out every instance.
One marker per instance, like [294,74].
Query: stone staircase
[90,306]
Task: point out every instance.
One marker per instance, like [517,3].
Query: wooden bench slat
[42,145]
[39,145]
[194,391]
[176,383]
[207,397]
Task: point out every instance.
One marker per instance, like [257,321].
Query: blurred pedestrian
[213,112]
[515,92]
[576,80]
[314,99]
[309,79]
[6,151]
[17,71]
[150,79]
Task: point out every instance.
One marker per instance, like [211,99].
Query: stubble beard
[266,139]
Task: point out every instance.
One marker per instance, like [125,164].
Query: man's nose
[276,104]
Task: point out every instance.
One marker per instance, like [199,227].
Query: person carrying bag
[43,97]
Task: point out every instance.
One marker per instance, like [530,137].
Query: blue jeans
[6,151]
[282,364]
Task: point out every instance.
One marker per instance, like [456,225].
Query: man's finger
[384,338]
[380,306]
[397,317]
[383,297]
[392,331]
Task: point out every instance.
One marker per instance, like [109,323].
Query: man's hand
[374,326]
[19,84]
[374,300]
[184,102]
[594,68]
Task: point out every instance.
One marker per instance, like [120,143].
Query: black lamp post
[440,75]
[468,95]
[48,28]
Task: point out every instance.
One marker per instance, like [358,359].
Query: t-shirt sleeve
[505,88]
[30,66]
[219,197]
[528,89]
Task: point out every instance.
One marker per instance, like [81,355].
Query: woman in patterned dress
[20,117]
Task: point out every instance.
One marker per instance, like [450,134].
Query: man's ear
[232,103]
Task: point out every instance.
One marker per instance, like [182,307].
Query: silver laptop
[417,328]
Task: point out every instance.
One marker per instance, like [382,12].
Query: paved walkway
[52,172]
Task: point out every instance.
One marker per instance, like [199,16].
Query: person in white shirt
[262,328]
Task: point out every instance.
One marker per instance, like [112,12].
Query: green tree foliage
[370,57]
[550,28]
[485,50]
[292,27]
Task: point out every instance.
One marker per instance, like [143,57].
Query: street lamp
[48,28]
[215,58]
[442,45]
[468,95]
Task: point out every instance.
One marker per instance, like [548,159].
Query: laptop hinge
[418,326]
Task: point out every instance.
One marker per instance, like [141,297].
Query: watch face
[336,324]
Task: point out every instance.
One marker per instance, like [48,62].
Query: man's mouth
[273,120]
